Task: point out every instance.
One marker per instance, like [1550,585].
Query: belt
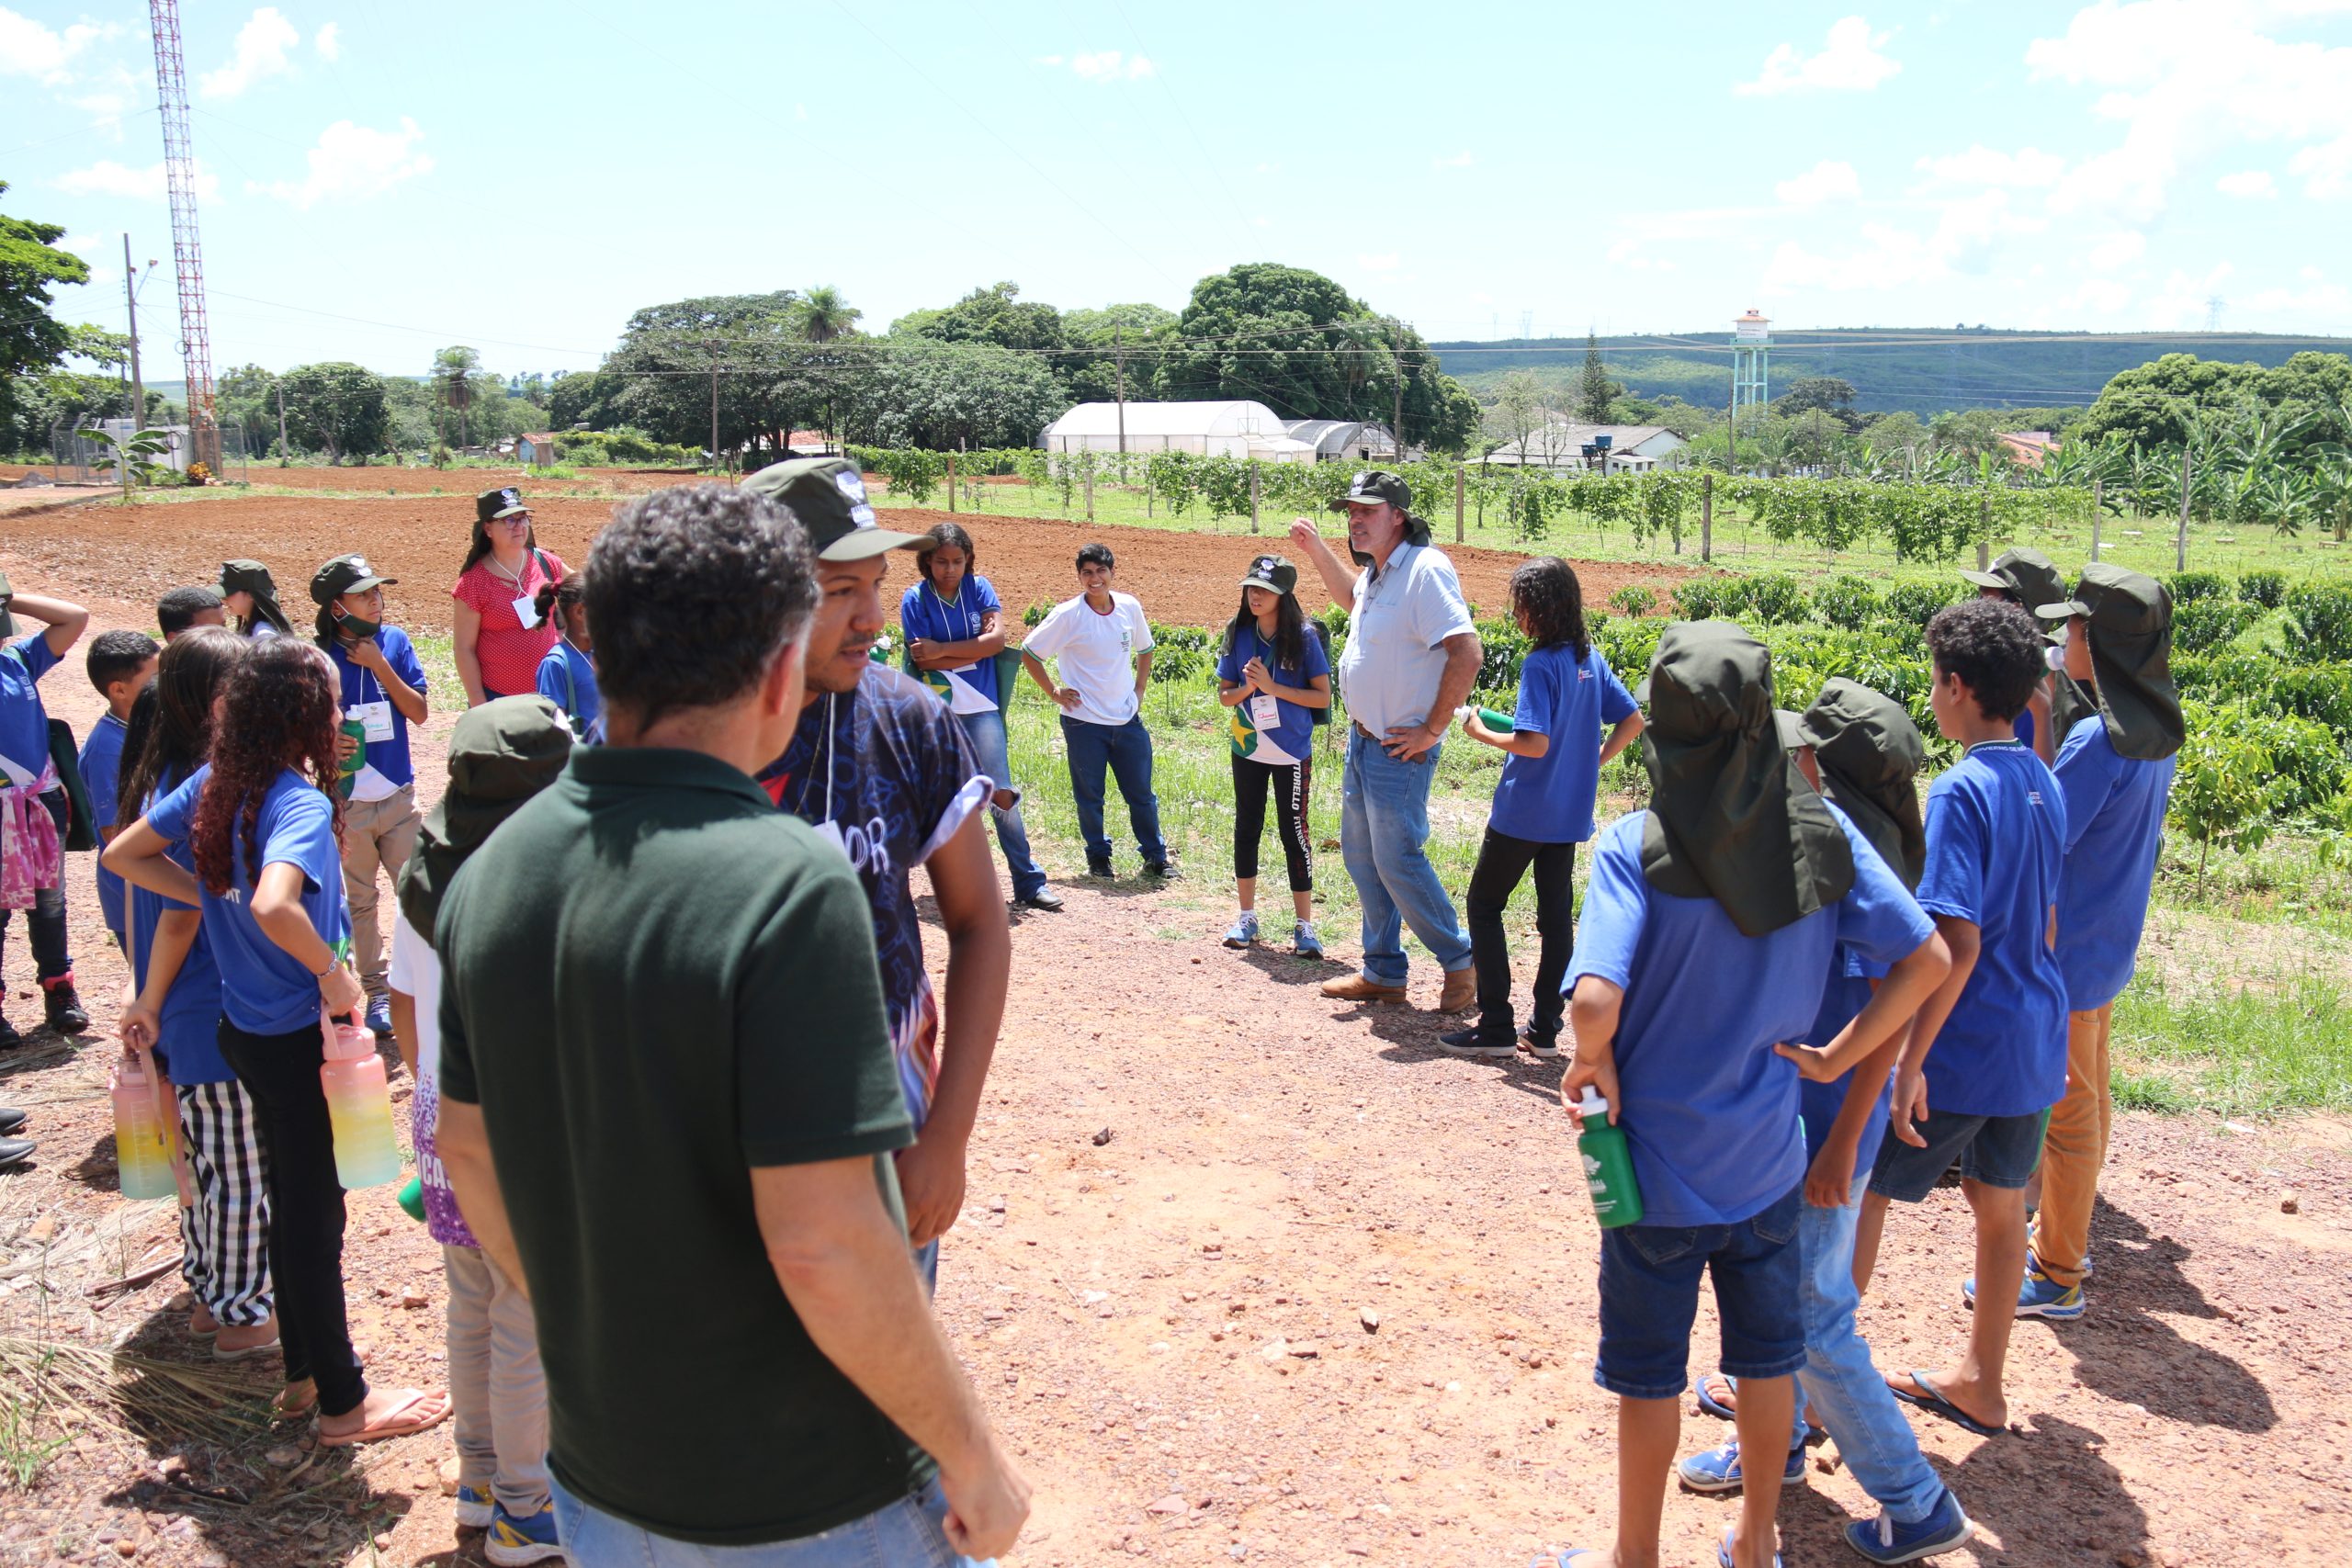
[1377,741]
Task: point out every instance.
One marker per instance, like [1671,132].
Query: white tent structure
[1239,429]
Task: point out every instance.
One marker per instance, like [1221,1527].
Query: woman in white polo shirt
[1101,644]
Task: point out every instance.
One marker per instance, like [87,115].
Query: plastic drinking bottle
[347,770]
[1493,718]
[413,1198]
[359,1107]
[142,1137]
[1608,1164]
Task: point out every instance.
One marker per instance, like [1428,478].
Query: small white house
[1237,429]
[535,451]
[1560,443]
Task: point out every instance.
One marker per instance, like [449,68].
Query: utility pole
[713,346]
[1119,351]
[281,425]
[2098,505]
[1731,425]
[138,386]
[1396,423]
[2180,542]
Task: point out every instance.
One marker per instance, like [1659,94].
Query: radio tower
[187,252]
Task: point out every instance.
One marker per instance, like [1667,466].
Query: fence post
[1706,518]
[2180,541]
[1460,484]
[2097,510]
[1253,498]
[1090,494]
[1984,528]
[951,482]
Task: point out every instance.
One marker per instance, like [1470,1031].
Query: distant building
[535,451]
[1343,441]
[1632,449]
[1236,429]
[808,443]
[2028,447]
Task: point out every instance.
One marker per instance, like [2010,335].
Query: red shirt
[510,654]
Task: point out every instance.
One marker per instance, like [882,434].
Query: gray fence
[77,457]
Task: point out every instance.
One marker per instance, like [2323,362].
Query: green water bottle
[1494,719]
[411,1197]
[1608,1164]
[347,770]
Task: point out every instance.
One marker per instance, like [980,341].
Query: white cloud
[353,161]
[1107,65]
[2331,299]
[1461,160]
[1964,240]
[1825,181]
[2252,183]
[801,112]
[2326,170]
[106,177]
[29,49]
[1981,165]
[1388,261]
[1049,60]
[2117,251]
[2184,301]
[1849,62]
[2104,295]
[262,46]
[329,43]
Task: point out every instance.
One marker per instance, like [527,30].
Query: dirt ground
[1325,1295]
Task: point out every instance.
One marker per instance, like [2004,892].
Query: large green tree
[943,395]
[336,408]
[995,315]
[748,348]
[31,339]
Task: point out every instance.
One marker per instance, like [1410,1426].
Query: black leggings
[281,1072]
[1289,782]
[1502,861]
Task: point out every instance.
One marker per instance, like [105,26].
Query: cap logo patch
[862,515]
[359,564]
[510,498]
[850,485]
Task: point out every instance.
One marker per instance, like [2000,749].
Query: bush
[1846,601]
[2268,589]
[1505,649]
[1917,603]
[2307,765]
[1634,600]
[2320,693]
[2199,625]
[1774,598]
[1629,645]
[1181,653]
[2188,587]
[2318,621]
[1036,613]
[1709,598]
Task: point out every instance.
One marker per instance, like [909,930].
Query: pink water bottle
[360,1106]
[143,1130]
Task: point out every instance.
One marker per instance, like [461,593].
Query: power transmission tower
[187,252]
[2213,313]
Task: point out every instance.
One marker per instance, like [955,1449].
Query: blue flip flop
[1935,1403]
[1722,1554]
[1568,1559]
[1707,1402]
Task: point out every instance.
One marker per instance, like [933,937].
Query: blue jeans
[906,1532]
[1126,750]
[1384,822]
[1847,1393]
[985,732]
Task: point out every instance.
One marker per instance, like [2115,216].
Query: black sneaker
[1471,1042]
[63,1008]
[1541,1042]
[1158,870]
[1098,867]
[9,1038]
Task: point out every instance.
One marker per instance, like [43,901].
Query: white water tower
[1751,346]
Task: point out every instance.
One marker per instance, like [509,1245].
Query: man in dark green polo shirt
[670,1102]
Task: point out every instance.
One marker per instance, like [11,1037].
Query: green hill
[1924,369]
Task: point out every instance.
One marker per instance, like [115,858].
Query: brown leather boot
[1356,989]
[1461,989]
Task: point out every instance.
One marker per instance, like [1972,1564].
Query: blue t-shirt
[1847,994]
[923,614]
[1293,736]
[2024,726]
[2115,821]
[264,989]
[24,722]
[1709,1109]
[190,1046]
[568,679]
[1548,799]
[101,771]
[1996,828]
[389,758]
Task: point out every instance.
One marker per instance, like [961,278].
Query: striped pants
[224,1237]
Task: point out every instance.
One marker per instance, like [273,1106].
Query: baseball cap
[1271,572]
[247,577]
[492,504]
[828,495]
[345,574]
[2116,598]
[2027,577]
[1376,485]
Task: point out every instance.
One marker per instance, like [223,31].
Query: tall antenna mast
[187,252]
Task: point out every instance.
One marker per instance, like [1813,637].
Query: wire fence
[77,456]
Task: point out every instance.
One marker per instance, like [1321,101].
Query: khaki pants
[376,833]
[498,1395]
[2075,1149]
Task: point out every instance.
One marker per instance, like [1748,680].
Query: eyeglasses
[520,520]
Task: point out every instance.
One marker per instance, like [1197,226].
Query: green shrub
[1774,598]
[1846,601]
[1918,602]
[2189,587]
[1709,598]
[2221,788]
[2307,765]
[2321,693]
[1630,645]
[1036,612]
[2318,621]
[1634,600]
[2199,625]
[2268,589]
[1505,648]
[1181,653]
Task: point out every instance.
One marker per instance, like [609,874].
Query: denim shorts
[1649,1298]
[1999,1151]
[905,1534]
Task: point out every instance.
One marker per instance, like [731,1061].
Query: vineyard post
[1253,497]
[1984,531]
[1461,482]
[951,482]
[1118,340]
[2180,540]
[1090,492]
[1706,518]
[2095,509]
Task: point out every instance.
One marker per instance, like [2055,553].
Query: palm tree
[825,315]
[454,370]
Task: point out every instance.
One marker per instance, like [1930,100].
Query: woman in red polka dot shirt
[500,634]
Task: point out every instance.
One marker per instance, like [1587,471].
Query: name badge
[1265,713]
[831,832]
[376,716]
[526,610]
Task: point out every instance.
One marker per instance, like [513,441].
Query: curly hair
[278,710]
[1995,649]
[171,724]
[1545,593]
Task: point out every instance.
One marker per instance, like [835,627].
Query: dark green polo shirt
[653,981]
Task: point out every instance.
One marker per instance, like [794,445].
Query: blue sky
[381,181]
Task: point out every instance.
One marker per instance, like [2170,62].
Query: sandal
[403,1420]
[1931,1399]
[283,1409]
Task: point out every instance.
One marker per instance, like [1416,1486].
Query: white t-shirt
[415,970]
[1096,654]
[1396,653]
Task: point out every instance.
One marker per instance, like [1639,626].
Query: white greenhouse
[1239,429]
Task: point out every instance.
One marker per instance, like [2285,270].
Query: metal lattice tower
[1751,348]
[187,252]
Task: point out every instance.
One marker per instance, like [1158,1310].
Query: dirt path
[1277,1169]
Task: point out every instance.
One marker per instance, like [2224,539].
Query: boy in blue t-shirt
[2115,769]
[1710,921]
[26,770]
[1573,714]
[1987,1054]
[121,665]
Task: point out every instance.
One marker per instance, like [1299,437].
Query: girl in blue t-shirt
[177,1016]
[1543,807]
[1272,674]
[568,674]
[261,820]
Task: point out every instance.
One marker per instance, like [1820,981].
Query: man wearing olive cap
[1411,657]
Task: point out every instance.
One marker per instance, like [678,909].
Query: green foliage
[1505,649]
[1634,599]
[336,408]
[1630,645]
[2318,621]
[621,448]
[2221,789]
[2268,589]
[1181,653]
[2307,761]
[31,339]
[1036,613]
[1708,598]
[1847,600]
[2209,622]
[2189,587]
[1773,597]
[2320,693]
[1915,604]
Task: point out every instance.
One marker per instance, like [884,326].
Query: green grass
[2232,1052]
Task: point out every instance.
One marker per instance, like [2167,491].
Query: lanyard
[808,784]
[971,620]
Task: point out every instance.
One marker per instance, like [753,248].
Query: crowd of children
[1801,999]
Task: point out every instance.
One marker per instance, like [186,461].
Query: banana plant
[134,452]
